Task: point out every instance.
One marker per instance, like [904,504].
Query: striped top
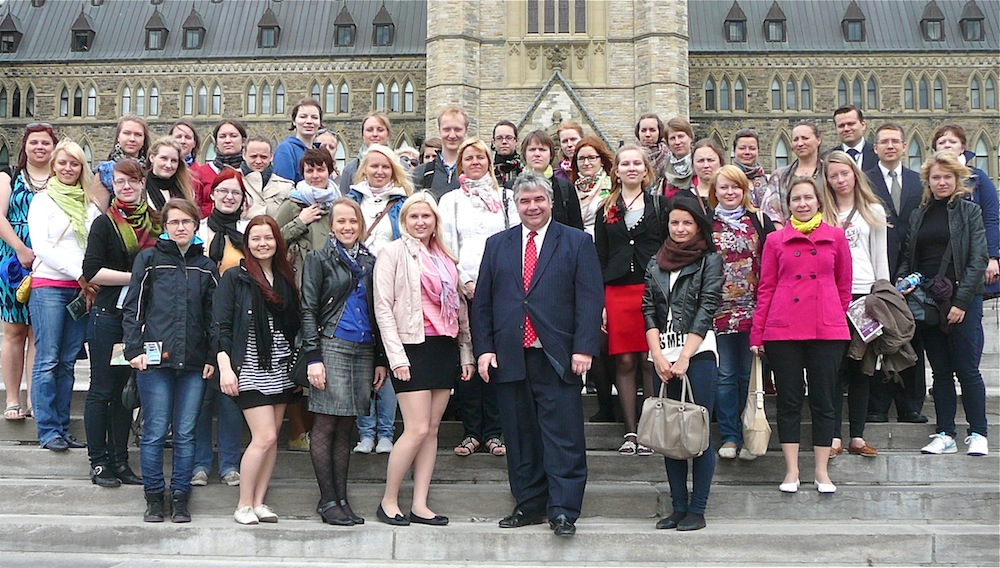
[253,377]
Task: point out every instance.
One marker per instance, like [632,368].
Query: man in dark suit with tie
[900,190]
[851,127]
[536,325]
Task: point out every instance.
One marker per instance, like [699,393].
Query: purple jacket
[805,286]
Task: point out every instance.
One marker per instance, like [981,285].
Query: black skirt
[434,364]
[254,398]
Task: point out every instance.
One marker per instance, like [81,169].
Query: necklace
[34,184]
[628,206]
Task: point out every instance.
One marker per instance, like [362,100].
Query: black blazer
[564,300]
[624,254]
[898,220]
[869,159]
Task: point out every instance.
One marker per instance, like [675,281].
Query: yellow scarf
[72,201]
[806,227]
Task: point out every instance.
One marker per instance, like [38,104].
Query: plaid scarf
[134,225]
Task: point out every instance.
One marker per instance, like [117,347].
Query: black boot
[125,474]
[101,476]
[180,513]
[154,508]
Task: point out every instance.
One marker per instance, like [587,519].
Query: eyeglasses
[504,138]
[580,158]
[890,142]
[231,192]
[122,182]
[186,223]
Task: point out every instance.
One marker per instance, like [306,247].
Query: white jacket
[56,258]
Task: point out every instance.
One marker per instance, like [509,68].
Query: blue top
[354,324]
[286,158]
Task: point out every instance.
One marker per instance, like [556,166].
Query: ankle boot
[125,474]
[180,513]
[154,508]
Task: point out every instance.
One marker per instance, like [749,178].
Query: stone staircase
[900,508]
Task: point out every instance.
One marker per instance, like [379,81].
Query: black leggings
[820,359]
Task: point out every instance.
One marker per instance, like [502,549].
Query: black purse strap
[945,260]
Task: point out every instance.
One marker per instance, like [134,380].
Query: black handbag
[130,393]
[298,369]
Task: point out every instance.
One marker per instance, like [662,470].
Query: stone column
[453,59]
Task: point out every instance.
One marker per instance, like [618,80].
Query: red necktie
[530,260]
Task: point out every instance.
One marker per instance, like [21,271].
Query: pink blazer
[805,286]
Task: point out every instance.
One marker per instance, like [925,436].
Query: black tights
[330,449]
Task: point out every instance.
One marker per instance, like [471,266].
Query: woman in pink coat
[802,298]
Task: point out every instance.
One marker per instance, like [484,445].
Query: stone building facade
[229,74]
[894,71]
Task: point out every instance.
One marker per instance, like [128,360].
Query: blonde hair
[453,110]
[73,150]
[436,240]
[399,176]
[735,175]
[477,144]
[944,160]
[616,182]
[182,175]
[864,197]
[363,234]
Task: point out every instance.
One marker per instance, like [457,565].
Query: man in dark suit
[851,127]
[536,327]
[900,190]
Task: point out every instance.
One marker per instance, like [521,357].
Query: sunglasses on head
[34,125]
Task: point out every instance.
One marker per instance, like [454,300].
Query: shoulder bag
[677,429]
[756,429]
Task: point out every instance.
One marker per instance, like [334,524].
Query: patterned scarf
[189,160]
[566,165]
[224,225]
[315,195]
[507,168]
[660,156]
[806,227]
[222,162]
[448,274]
[752,172]
[730,217]
[680,173]
[594,186]
[134,225]
[117,154]
[70,199]
[481,192]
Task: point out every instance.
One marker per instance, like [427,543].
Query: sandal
[496,447]
[28,413]
[641,450]
[13,412]
[628,447]
[468,447]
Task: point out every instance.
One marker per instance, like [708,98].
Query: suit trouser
[542,420]
[821,361]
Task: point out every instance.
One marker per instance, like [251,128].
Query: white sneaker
[977,445]
[232,478]
[727,452]
[245,516]
[365,446]
[941,443]
[200,479]
[384,446]
[265,514]
[745,455]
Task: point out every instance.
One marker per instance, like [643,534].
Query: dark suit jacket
[565,202]
[564,300]
[898,220]
[869,159]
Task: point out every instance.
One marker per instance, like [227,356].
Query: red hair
[279,261]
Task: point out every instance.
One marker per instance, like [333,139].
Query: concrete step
[609,541]
[296,499]
[889,467]
[599,436]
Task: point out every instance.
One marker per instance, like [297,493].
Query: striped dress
[253,377]
[11,310]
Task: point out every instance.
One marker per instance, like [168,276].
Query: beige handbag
[677,429]
[756,429]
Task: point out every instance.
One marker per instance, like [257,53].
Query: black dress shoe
[913,418]
[876,418]
[435,521]
[346,508]
[125,474]
[692,522]
[602,417]
[102,476]
[671,521]
[562,526]
[73,442]
[329,513]
[519,519]
[56,444]
[399,520]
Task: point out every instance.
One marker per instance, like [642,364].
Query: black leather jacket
[968,248]
[326,284]
[693,301]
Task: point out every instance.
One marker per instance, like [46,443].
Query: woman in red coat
[799,322]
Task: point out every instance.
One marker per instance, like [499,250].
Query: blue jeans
[703,375]
[735,360]
[168,397]
[58,340]
[105,418]
[384,404]
[950,354]
[229,431]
